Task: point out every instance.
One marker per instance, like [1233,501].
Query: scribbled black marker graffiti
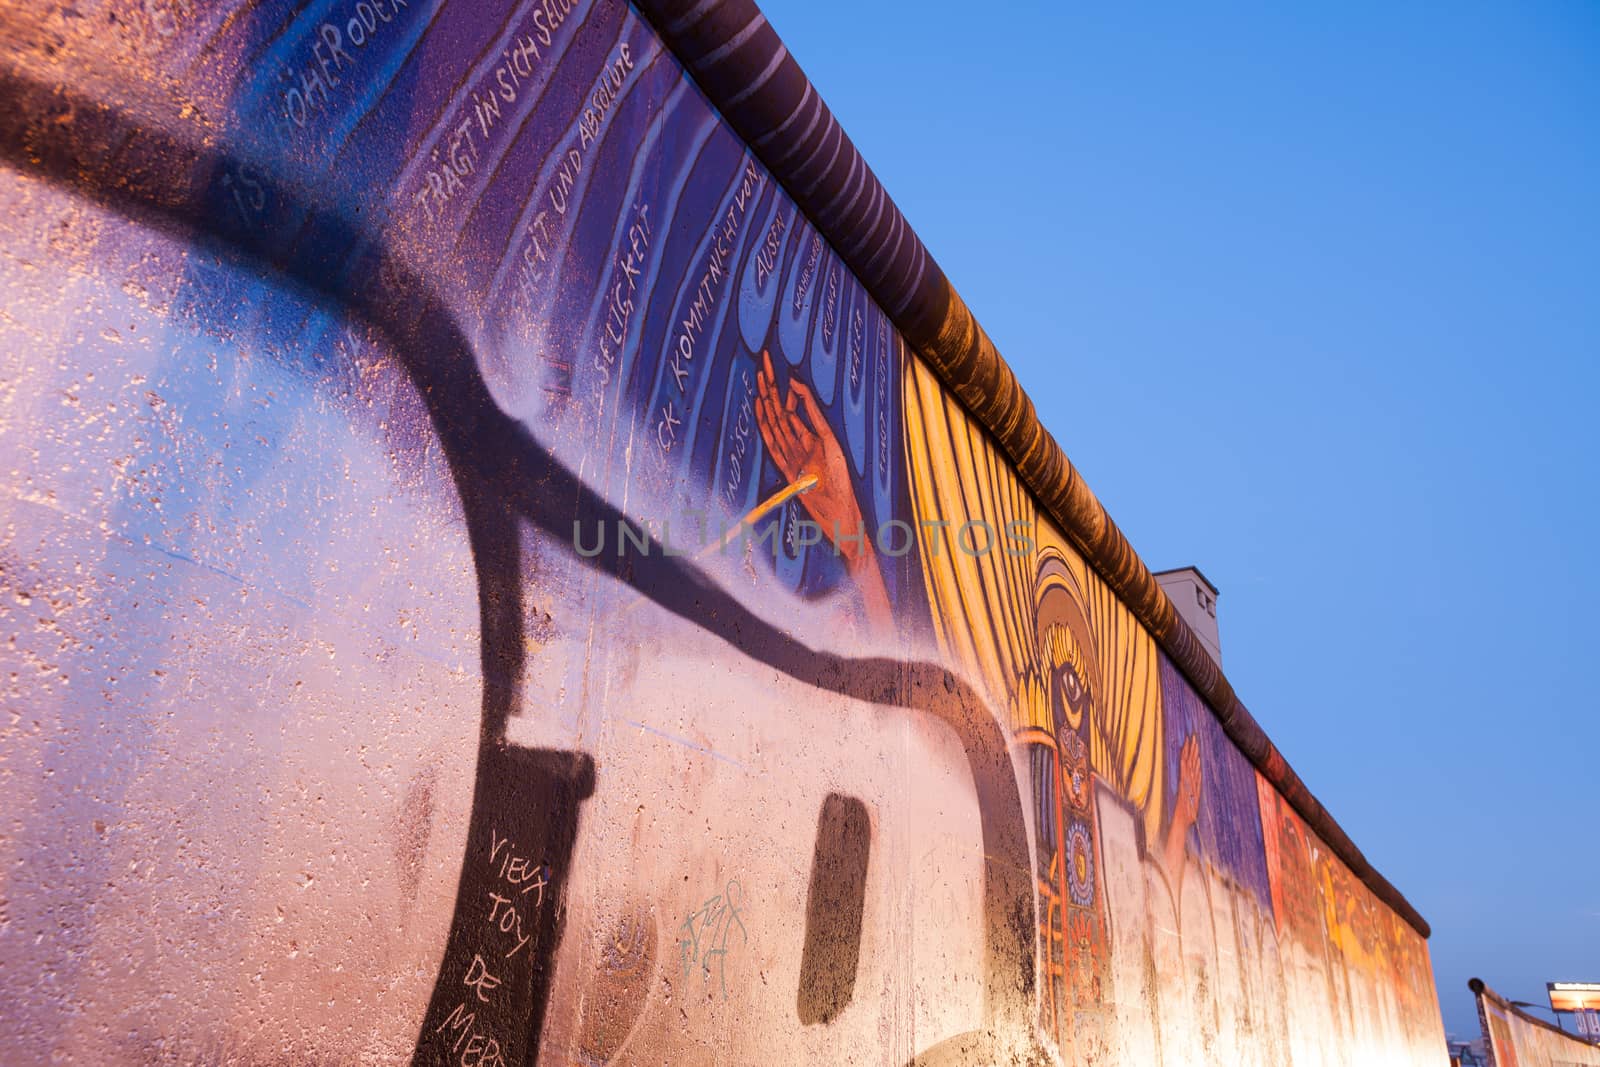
[704,938]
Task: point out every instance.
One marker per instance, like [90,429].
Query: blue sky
[1311,295]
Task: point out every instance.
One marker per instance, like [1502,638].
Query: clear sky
[1311,295]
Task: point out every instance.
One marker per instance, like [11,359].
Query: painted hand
[1187,806]
[1185,810]
[801,442]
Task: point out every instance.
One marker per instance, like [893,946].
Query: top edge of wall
[1486,992]
[738,60]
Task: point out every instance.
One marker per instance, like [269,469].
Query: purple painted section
[1227,831]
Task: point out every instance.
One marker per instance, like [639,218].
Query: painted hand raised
[801,442]
[1185,810]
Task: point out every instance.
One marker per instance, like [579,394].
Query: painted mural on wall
[477,569]
[1516,1039]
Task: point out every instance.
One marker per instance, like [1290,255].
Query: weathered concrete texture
[482,582]
[1517,1039]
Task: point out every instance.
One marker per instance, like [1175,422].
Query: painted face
[1075,770]
[1070,691]
[1070,695]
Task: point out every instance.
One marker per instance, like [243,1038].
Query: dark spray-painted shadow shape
[157,170]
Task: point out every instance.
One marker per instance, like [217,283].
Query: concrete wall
[1516,1039]
[481,582]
